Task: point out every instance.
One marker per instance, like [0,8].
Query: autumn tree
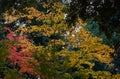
[46,46]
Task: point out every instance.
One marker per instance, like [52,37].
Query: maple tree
[44,45]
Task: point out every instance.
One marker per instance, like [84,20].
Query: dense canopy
[59,39]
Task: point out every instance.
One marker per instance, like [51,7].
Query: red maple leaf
[20,53]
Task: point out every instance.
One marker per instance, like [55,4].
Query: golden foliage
[90,48]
